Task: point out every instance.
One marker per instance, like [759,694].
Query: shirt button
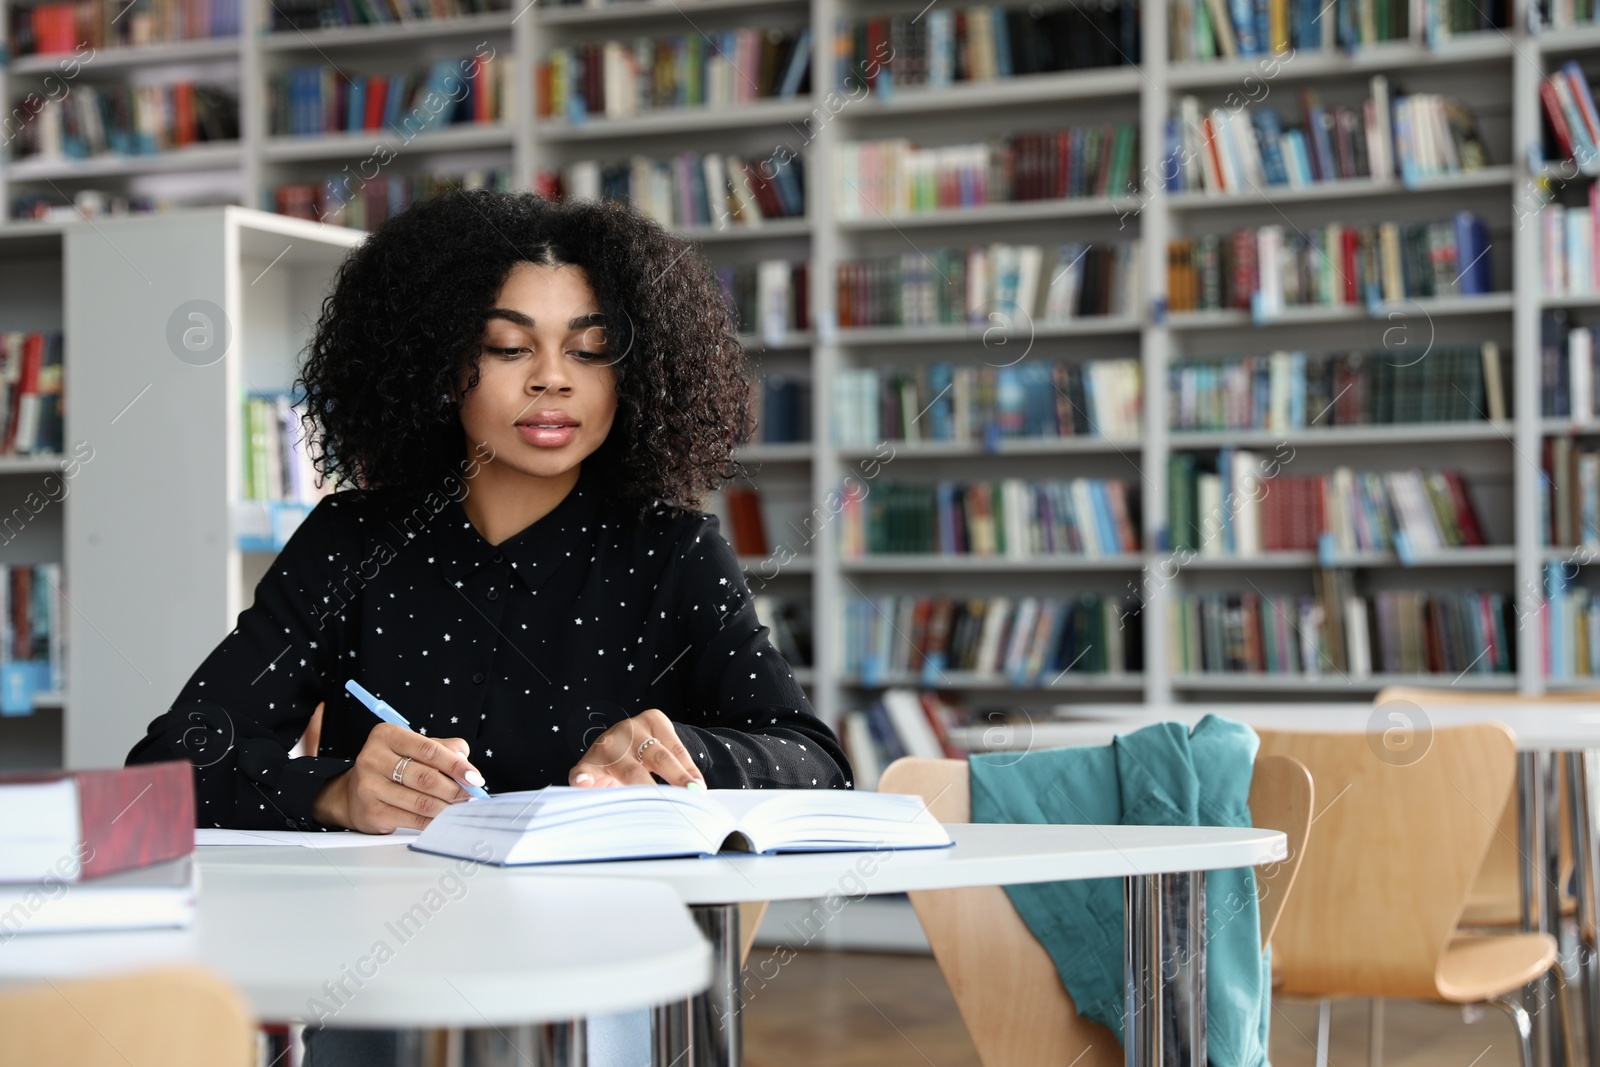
[494,594]
[498,558]
[478,678]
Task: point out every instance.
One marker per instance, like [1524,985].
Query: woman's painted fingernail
[697,785]
[474,777]
[582,779]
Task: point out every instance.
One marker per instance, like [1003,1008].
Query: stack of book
[97,120]
[290,15]
[770,298]
[1567,379]
[783,414]
[620,79]
[1329,633]
[277,462]
[1273,267]
[61,27]
[1570,620]
[1227,29]
[316,100]
[943,46]
[1012,518]
[31,410]
[901,722]
[1568,266]
[1293,390]
[1569,494]
[1569,109]
[1232,151]
[1236,512]
[895,177]
[364,204]
[97,850]
[997,285]
[691,190]
[1024,640]
[33,635]
[1036,400]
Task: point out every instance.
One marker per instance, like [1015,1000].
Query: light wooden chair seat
[1003,981]
[1477,967]
[171,1017]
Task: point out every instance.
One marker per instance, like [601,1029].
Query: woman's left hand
[634,749]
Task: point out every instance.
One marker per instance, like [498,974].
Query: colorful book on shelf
[313,101]
[895,177]
[692,190]
[1032,400]
[1295,390]
[562,824]
[1024,640]
[1275,267]
[999,286]
[980,43]
[1011,517]
[719,69]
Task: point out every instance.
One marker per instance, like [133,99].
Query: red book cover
[1466,517]
[744,513]
[1558,121]
[936,718]
[377,96]
[185,131]
[919,632]
[877,45]
[1244,267]
[129,816]
[1351,242]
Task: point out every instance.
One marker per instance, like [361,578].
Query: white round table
[983,854]
[451,946]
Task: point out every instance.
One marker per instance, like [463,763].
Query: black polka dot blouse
[528,649]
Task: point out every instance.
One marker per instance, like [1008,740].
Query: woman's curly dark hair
[408,306]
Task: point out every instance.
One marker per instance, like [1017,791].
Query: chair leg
[1324,1023]
[1511,1004]
[1375,1033]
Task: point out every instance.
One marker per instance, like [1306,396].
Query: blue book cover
[1317,118]
[355,103]
[394,102]
[1105,521]
[1171,171]
[1243,15]
[1269,131]
[1002,42]
[798,61]
[941,414]
[1225,472]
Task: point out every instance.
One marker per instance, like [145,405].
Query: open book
[562,824]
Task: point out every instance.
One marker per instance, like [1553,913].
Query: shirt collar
[534,553]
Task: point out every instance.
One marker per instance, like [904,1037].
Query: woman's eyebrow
[594,318]
[516,317]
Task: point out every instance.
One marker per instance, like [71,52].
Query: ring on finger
[400,769]
[644,747]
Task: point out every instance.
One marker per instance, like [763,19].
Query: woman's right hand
[367,798]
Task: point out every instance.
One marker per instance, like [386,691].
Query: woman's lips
[547,436]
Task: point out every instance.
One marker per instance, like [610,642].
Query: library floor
[848,1009]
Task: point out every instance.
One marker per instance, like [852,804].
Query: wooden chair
[172,1017]
[1496,898]
[1389,866]
[1001,977]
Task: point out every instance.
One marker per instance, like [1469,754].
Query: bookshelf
[1497,72]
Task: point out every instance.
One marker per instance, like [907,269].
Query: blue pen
[384,711]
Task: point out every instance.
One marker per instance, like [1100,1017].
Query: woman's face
[546,392]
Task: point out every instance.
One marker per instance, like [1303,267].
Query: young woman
[530,399]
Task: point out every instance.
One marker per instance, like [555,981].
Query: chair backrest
[1496,898]
[1001,977]
[172,1017]
[1392,856]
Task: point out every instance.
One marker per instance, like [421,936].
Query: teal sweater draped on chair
[1161,775]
